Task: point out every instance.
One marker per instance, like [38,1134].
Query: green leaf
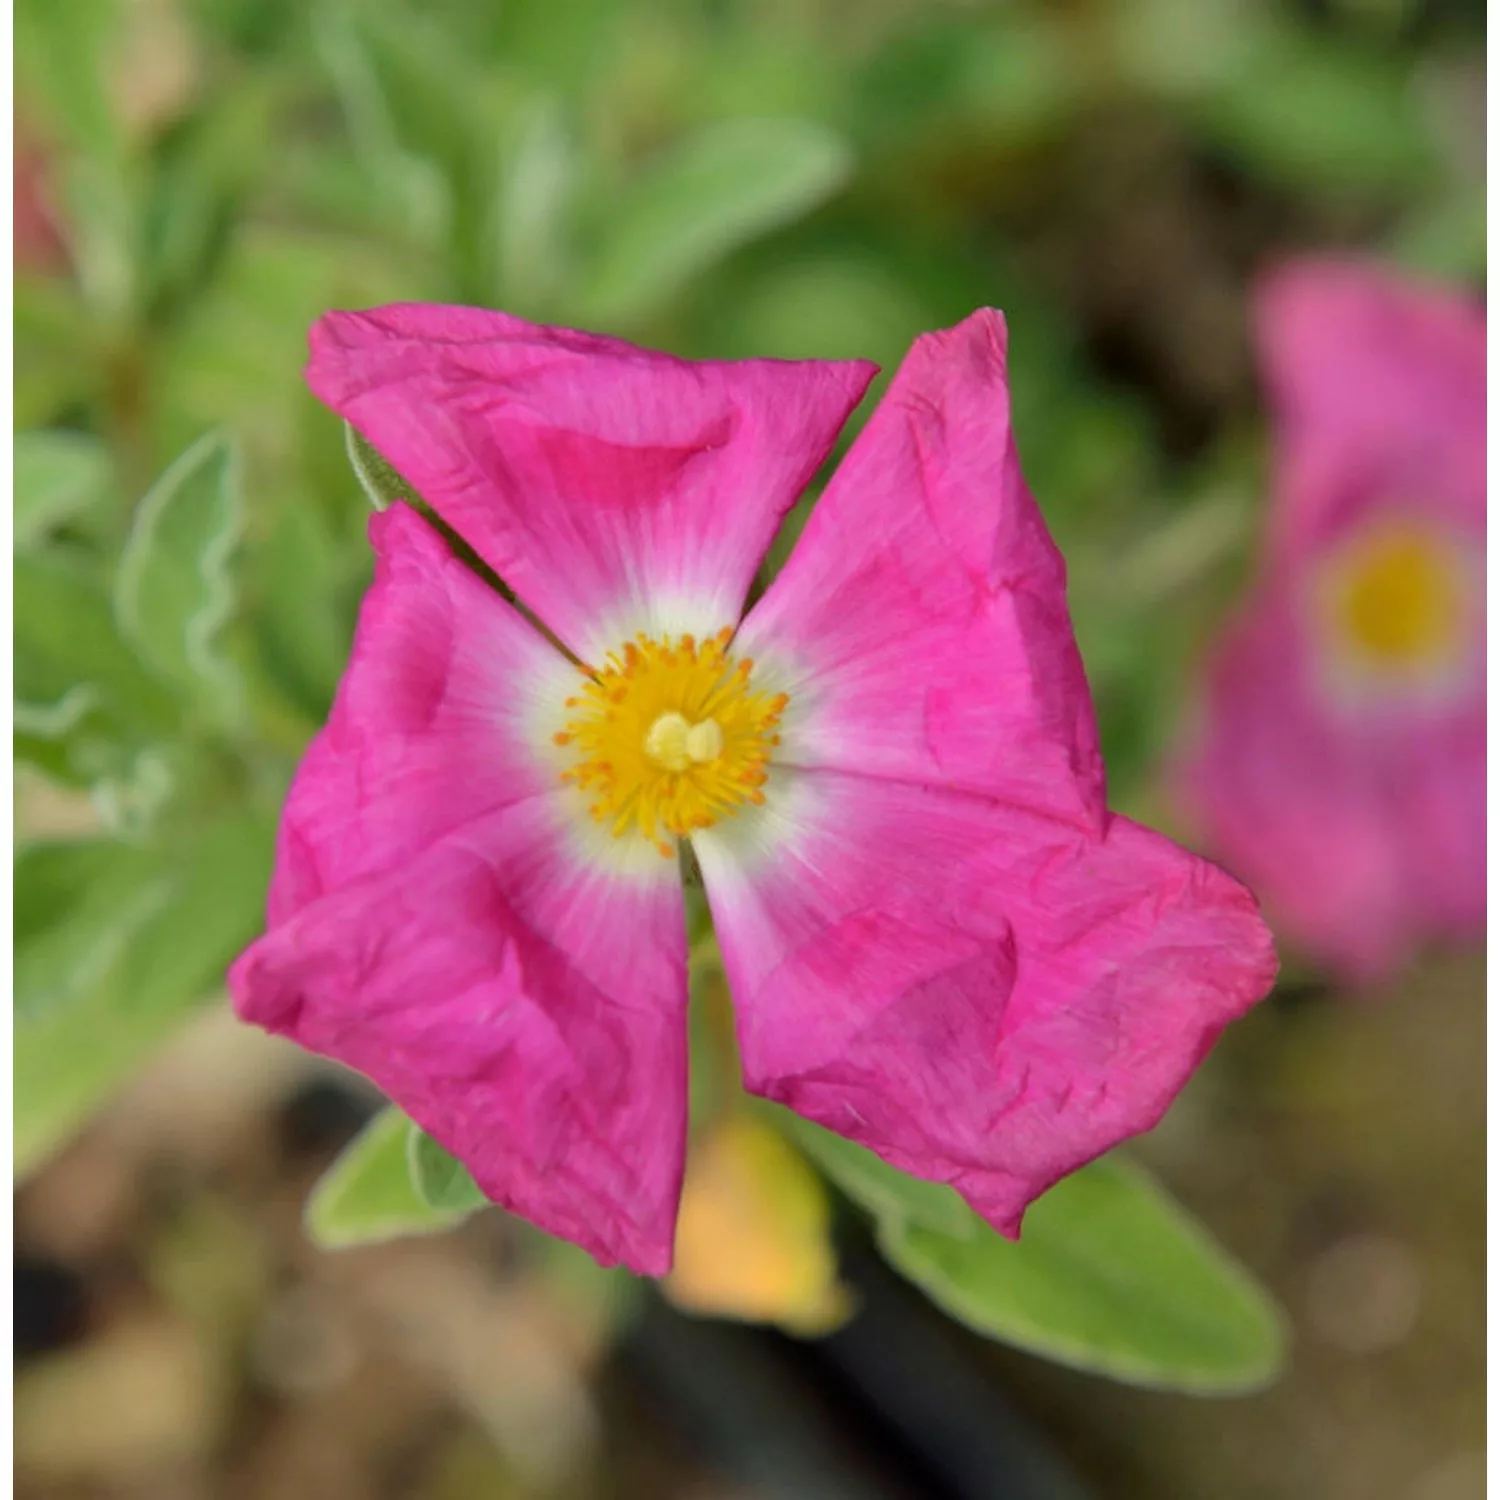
[66,638]
[69,1060]
[301,623]
[368,1193]
[382,485]
[238,342]
[131,797]
[1321,116]
[827,305]
[1110,1275]
[57,357]
[436,99]
[78,904]
[894,1197]
[173,591]
[204,167]
[441,1180]
[55,721]
[733,181]
[58,475]
[529,217]
[71,1057]
[217,907]
[408,177]
[68,65]
[942,77]
[62,55]
[101,203]
[85,708]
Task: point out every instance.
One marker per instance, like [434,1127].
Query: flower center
[671,736]
[1395,599]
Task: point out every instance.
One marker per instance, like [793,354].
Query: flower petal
[982,997]
[1378,387]
[437,920]
[921,627]
[1354,802]
[614,489]
[441,717]
[1362,833]
[528,1013]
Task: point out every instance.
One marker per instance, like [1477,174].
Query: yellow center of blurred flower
[1395,599]
[671,736]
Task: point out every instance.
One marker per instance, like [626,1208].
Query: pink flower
[36,241]
[939,941]
[1341,766]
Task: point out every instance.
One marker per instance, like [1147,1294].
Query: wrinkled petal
[1377,385]
[529,1014]
[1364,834]
[921,628]
[614,489]
[440,718]
[439,921]
[982,997]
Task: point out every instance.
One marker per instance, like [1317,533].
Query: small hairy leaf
[85,708]
[382,485]
[173,589]
[368,1194]
[441,1180]
[1109,1275]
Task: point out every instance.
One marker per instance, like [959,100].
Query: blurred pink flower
[939,941]
[1341,765]
[36,240]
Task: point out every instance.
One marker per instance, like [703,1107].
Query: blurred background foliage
[195,183]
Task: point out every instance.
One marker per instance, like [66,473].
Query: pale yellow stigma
[670,736]
[675,743]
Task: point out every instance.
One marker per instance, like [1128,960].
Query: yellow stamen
[671,736]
